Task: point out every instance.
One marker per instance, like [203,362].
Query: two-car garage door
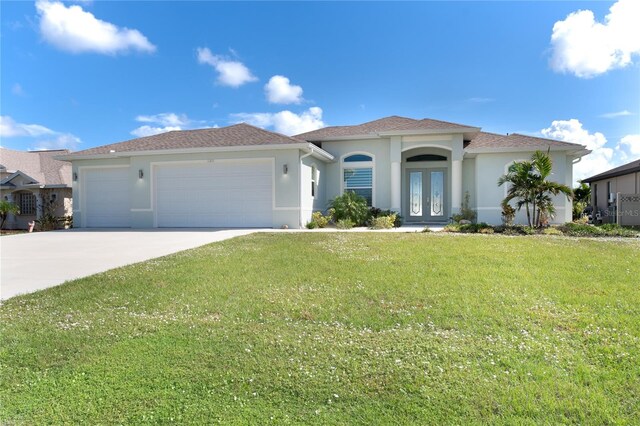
[223,193]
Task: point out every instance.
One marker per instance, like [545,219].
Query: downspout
[300,185]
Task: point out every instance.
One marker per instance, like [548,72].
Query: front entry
[426,195]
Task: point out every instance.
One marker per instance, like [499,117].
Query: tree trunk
[528,214]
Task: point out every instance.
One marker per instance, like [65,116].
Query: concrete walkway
[31,262]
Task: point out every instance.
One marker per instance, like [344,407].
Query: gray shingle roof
[385,124]
[514,140]
[631,167]
[236,135]
[40,165]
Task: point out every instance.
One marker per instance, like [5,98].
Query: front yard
[334,328]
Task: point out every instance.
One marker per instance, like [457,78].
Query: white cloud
[629,146]
[143,131]
[601,158]
[45,137]
[165,119]
[279,90]
[9,128]
[73,30]
[61,141]
[165,122]
[587,48]
[616,114]
[285,122]
[230,73]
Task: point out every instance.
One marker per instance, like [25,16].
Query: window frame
[314,181]
[32,204]
[348,165]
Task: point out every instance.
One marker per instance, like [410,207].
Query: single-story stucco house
[615,194]
[244,176]
[35,181]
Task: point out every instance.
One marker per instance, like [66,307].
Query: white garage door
[222,194]
[107,198]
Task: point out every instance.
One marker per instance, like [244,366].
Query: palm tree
[519,177]
[7,207]
[529,186]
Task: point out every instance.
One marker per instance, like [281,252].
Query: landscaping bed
[335,328]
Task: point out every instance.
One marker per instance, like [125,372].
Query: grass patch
[336,328]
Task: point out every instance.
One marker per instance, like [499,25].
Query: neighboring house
[243,176]
[615,195]
[37,182]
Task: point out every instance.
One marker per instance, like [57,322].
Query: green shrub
[318,220]
[383,222]
[375,212]
[452,227]
[615,230]
[514,230]
[312,225]
[470,228]
[350,206]
[344,224]
[552,231]
[581,230]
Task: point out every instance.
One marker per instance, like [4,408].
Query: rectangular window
[360,181]
[27,203]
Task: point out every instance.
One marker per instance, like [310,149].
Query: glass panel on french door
[415,194]
[437,193]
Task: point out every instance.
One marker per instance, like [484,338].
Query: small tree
[6,208]
[529,187]
[581,199]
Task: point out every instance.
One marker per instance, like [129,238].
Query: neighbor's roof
[625,169]
[39,165]
[485,140]
[232,136]
[382,125]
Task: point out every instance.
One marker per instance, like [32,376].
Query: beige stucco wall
[376,148]
[488,169]
[382,151]
[286,190]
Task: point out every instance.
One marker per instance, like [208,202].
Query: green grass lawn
[335,328]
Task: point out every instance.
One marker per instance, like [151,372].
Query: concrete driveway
[31,262]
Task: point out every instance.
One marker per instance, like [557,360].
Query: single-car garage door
[223,193]
[107,198]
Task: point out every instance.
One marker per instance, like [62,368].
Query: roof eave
[606,175]
[243,148]
[578,150]
[430,131]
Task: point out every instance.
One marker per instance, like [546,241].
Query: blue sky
[81,74]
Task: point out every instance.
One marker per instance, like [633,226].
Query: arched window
[357,175]
[357,158]
[426,157]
